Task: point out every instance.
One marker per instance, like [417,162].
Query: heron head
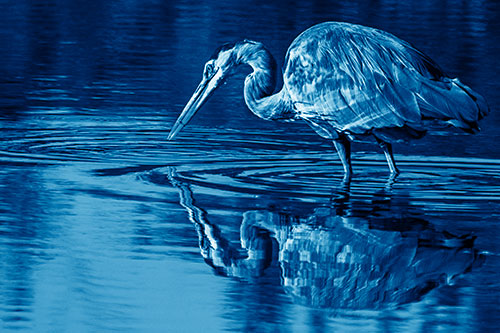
[216,69]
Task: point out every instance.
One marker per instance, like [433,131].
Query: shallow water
[240,224]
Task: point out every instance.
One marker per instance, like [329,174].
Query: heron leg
[387,148]
[343,147]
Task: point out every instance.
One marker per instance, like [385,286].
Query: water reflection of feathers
[362,258]
[345,263]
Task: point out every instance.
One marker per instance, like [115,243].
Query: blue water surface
[240,224]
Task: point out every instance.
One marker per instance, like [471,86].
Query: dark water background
[240,224]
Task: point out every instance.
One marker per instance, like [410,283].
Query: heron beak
[206,87]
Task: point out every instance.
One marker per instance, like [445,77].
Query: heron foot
[347,177]
[394,172]
[391,180]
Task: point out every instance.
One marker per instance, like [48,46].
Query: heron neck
[260,84]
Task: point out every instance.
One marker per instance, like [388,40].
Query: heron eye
[209,69]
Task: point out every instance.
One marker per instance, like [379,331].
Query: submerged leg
[343,146]
[387,148]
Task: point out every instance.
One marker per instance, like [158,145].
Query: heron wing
[354,79]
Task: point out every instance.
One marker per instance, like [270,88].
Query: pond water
[239,224]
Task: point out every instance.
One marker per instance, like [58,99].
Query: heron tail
[453,102]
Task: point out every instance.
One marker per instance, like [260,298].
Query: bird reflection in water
[345,255]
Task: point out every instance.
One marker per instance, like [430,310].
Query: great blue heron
[347,82]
